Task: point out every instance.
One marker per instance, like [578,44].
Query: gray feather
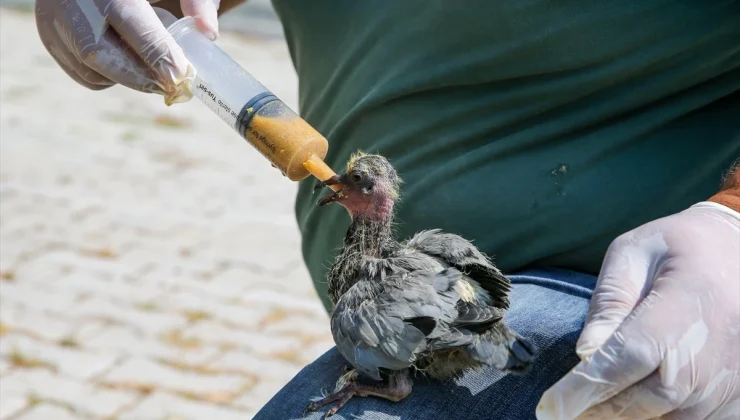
[375,328]
[462,254]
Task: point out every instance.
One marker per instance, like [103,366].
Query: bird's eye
[356,177]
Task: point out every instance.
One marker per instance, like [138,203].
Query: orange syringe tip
[318,168]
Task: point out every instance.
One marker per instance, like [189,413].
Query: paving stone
[11,405]
[256,342]
[282,282]
[282,300]
[143,371]
[72,362]
[47,412]
[258,396]
[49,327]
[146,254]
[4,365]
[116,290]
[239,315]
[37,298]
[285,323]
[234,281]
[124,341]
[256,365]
[45,268]
[162,405]
[8,309]
[143,320]
[198,282]
[81,396]
[57,264]
[89,328]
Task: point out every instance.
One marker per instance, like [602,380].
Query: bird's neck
[368,237]
[365,239]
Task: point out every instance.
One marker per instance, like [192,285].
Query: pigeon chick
[433,303]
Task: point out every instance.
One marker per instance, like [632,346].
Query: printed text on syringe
[215,99]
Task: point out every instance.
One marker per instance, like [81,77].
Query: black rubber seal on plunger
[251,108]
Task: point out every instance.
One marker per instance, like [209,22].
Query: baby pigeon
[433,303]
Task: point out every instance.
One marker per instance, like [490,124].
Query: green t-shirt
[540,130]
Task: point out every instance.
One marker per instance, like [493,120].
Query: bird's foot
[342,396]
[398,387]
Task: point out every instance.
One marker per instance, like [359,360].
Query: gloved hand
[100,43]
[662,337]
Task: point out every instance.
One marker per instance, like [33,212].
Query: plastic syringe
[255,113]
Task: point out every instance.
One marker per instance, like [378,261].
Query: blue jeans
[547,306]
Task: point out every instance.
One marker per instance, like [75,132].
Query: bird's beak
[334,180]
[330,198]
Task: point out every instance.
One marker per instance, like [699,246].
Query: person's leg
[547,307]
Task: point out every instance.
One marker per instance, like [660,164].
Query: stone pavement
[149,261]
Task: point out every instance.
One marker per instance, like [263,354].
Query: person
[582,144]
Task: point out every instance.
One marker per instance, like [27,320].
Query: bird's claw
[309,409]
[340,398]
[313,407]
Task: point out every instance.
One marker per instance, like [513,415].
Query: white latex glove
[100,43]
[662,337]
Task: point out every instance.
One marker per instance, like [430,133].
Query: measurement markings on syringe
[221,108]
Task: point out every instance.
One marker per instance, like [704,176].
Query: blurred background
[150,261]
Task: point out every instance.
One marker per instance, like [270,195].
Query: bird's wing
[463,255]
[388,328]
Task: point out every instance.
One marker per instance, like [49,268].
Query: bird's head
[369,187]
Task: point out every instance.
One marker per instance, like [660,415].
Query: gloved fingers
[56,37]
[619,363]
[95,53]
[635,350]
[72,73]
[76,69]
[625,279]
[137,24]
[718,397]
[729,411]
[113,59]
[205,13]
[647,399]
[693,413]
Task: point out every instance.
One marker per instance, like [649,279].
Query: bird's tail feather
[503,349]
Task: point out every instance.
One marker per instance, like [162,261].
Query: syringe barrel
[261,118]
